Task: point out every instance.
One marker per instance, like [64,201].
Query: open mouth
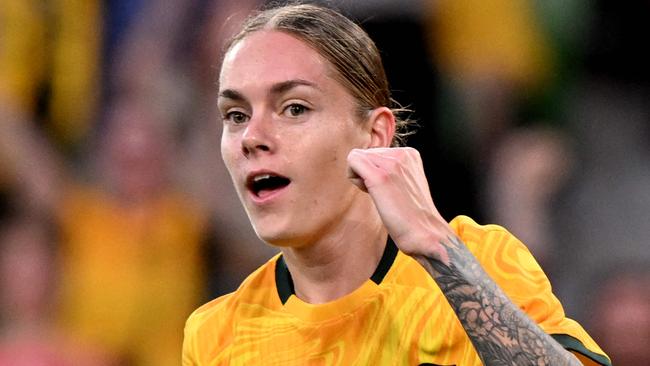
[263,185]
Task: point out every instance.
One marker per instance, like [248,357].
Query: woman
[307,140]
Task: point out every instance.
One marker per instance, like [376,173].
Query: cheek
[331,150]
[230,160]
[330,162]
[229,150]
[342,140]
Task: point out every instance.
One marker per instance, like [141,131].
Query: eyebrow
[279,88]
[285,86]
[231,94]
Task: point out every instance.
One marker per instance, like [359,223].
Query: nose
[257,137]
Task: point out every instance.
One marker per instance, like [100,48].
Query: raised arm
[33,168]
[502,334]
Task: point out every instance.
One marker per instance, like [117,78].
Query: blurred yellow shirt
[131,275]
[478,39]
[52,49]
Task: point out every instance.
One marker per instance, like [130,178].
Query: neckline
[284,282]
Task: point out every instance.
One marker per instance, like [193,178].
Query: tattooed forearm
[501,333]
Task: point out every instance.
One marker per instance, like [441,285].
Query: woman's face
[288,128]
[136,152]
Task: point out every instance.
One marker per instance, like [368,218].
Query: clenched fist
[395,179]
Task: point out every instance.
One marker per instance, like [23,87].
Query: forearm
[32,166]
[501,333]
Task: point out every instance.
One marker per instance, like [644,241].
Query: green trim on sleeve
[573,344]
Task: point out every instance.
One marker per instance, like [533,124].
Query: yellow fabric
[55,43]
[131,276]
[22,51]
[405,320]
[474,39]
[75,77]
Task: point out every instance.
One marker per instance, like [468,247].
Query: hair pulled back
[354,57]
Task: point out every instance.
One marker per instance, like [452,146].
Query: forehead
[269,56]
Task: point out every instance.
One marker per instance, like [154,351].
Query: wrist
[431,245]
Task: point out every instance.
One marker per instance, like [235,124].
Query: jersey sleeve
[515,270]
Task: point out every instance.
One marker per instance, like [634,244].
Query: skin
[283,112]
[377,190]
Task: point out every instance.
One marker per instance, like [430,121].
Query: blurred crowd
[118,217]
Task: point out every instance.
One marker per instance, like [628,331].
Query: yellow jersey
[397,317]
[130,275]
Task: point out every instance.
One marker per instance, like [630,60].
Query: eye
[295,110]
[236,117]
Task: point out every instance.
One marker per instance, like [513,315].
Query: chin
[278,237]
[278,240]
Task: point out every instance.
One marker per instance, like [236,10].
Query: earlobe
[381,125]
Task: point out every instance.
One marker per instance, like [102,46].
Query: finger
[370,167]
[359,166]
[403,162]
[356,180]
[395,159]
[401,153]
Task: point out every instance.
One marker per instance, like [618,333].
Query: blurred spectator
[502,109]
[527,171]
[131,243]
[601,217]
[492,55]
[28,276]
[619,314]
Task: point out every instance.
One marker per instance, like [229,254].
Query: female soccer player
[369,272]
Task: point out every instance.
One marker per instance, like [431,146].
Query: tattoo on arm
[500,332]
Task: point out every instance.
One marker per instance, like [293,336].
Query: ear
[381,125]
